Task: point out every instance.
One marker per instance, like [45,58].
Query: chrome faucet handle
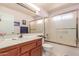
[41,36]
[20,36]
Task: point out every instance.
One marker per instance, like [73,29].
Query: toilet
[47,48]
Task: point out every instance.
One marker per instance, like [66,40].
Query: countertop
[13,41]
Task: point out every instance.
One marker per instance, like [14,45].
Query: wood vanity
[30,48]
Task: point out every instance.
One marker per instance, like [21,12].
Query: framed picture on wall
[16,23]
[24,22]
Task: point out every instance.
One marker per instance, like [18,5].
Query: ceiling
[19,8]
[48,7]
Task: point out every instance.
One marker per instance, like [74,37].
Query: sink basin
[10,38]
[17,39]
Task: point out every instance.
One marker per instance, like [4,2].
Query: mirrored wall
[37,26]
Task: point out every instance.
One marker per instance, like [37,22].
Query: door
[65,25]
[37,51]
[13,52]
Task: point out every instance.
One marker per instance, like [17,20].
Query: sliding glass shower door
[66,28]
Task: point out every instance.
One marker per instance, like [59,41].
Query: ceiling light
[33,6]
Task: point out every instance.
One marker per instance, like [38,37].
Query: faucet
[41,36]
[20,36]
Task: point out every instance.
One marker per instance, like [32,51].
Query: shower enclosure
[62,28]
[66,28]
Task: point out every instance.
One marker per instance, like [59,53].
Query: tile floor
[62,50]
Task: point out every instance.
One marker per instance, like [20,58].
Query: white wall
[18,16]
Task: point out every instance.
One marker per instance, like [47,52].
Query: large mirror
[37,26]
[6,23]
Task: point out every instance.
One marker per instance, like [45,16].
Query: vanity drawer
[39,42]
[27,47]
[13,52]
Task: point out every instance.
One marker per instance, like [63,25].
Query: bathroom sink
[9,39]
[16,39]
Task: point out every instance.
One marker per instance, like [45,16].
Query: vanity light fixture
[32,5]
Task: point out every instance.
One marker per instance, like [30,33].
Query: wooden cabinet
[31,48]
[26,54]
[27,47]
[39,42]
[12,52]
[37,51]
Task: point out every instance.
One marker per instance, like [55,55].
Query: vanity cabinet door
[39,42]
[37,51]
[27,47]
[13,52]
[26,54]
